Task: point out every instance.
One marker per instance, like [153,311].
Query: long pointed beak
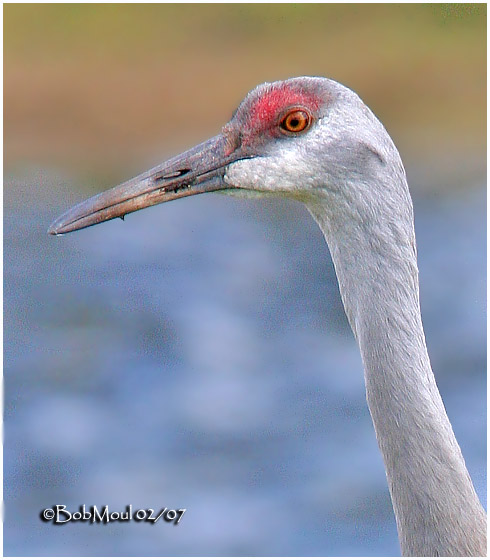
[198,170]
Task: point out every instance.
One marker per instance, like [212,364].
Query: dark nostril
[167,176]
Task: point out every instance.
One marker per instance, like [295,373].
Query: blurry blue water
[197,356]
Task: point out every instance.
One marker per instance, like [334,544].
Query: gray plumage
[345,168]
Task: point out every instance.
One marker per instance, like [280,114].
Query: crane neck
[437,510]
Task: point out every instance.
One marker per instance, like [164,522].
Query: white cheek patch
[278,173]
[245,174]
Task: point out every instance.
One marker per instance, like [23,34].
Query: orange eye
[296,121]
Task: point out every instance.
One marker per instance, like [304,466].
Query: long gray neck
[436,507]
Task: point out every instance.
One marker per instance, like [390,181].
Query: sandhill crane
[315,141]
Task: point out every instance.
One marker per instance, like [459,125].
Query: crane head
[287,138]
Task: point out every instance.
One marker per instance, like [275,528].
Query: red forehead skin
[265,110]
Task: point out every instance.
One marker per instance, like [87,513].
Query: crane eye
[295,121]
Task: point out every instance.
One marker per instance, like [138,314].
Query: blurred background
[197,355]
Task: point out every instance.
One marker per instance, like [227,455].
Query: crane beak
[198,170]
